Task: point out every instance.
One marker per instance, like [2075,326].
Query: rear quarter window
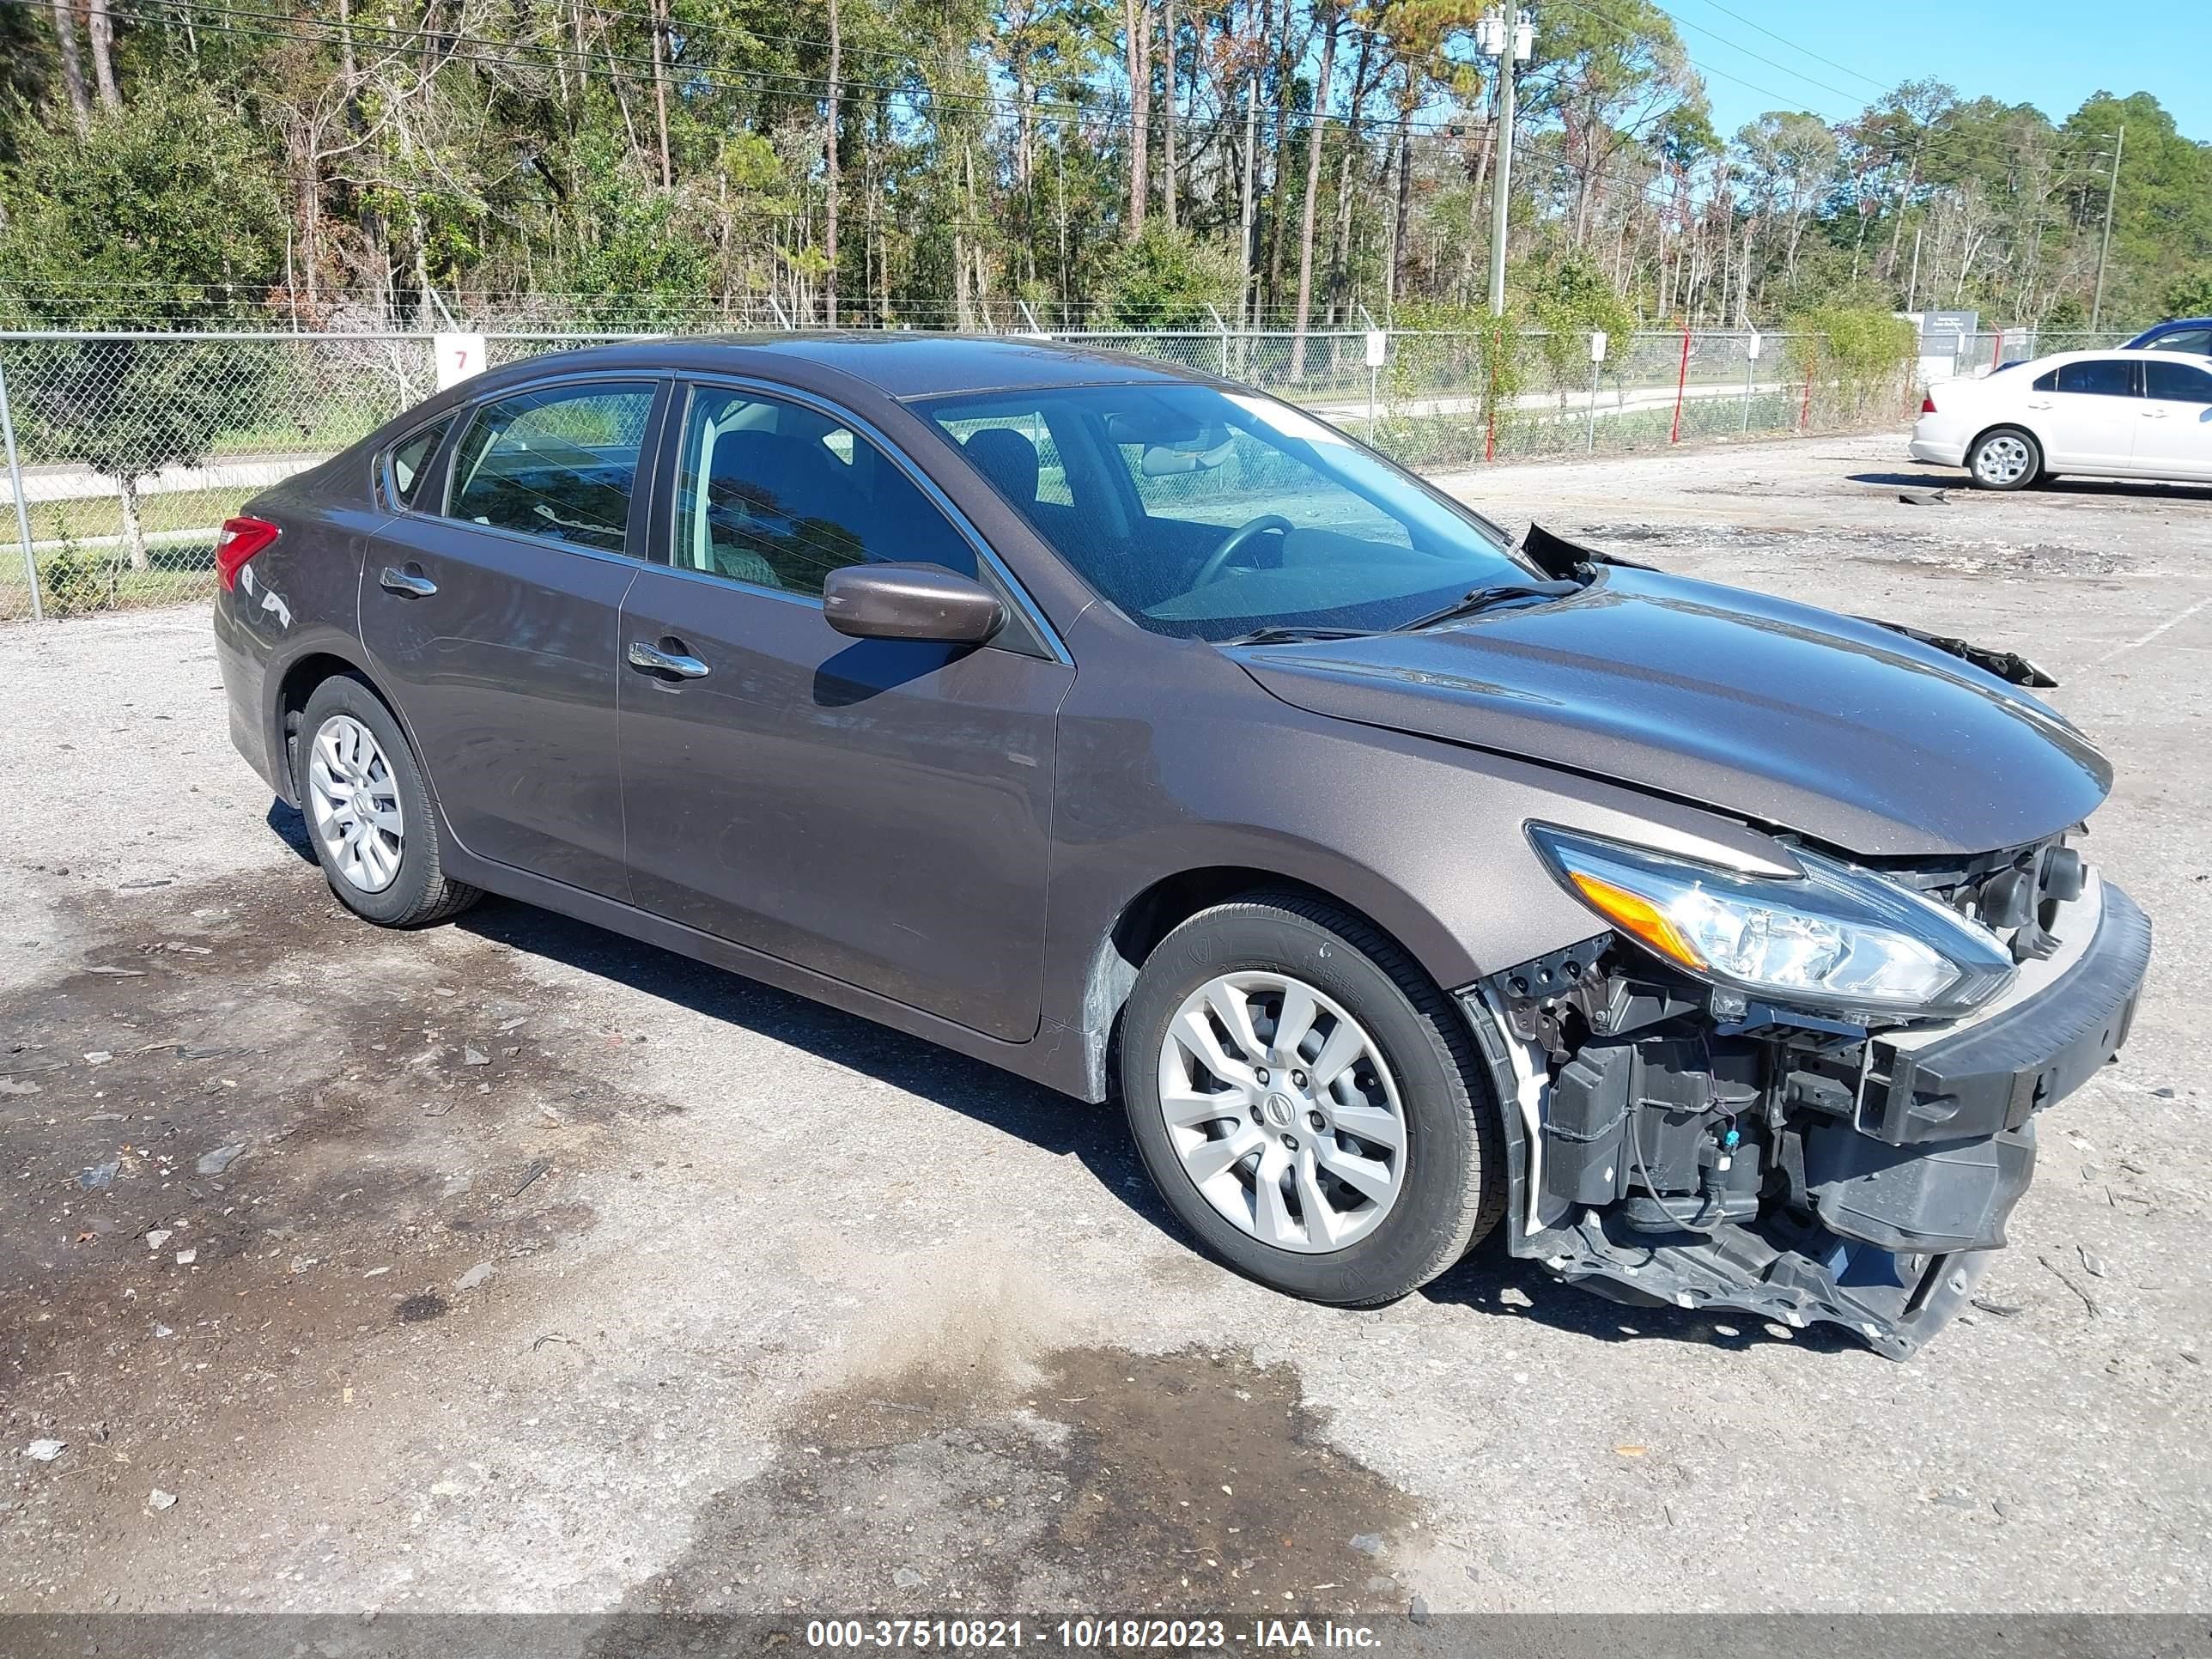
[407,463]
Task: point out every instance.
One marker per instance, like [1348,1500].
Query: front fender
[1426,839]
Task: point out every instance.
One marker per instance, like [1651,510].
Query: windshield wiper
[1483,599]
[1288,635]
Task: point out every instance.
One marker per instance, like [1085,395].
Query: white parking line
[2175,620]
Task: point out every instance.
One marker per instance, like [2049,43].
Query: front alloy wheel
[1283,1111]
[1308,1101]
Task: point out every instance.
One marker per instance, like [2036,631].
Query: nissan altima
[1141,734]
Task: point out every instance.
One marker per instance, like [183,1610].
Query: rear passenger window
[2177,383]
[779,494]
[410,459]
[2104,377]
[560,463]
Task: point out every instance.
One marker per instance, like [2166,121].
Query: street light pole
[2105,247]
[1511,41]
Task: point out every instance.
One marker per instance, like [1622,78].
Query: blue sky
[2044,53]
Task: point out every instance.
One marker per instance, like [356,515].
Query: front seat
[1008,459]
[778,510]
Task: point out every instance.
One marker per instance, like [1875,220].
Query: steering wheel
[1211,570]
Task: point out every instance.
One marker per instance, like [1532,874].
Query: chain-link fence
[126,452]
[1978,354]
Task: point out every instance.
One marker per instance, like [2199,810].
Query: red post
[1812,366]
[1682,379]
[1996,349]
[1490,436]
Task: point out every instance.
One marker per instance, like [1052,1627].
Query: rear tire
[369,813]
[2005,457]
[1333,1056]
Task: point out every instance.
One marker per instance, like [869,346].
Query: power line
[1882,86]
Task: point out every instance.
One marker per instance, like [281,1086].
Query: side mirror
[910,602]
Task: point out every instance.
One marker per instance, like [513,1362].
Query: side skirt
[1054,1057]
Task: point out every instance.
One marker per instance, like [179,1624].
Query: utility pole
[1510,42]
[2105,247]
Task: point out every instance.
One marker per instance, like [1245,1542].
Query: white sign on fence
[1597,345]
[1751,346]
[1378,348]
[460,357]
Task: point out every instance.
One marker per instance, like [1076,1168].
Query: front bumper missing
[1896,1192]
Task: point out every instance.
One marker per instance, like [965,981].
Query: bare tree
[1319,121]
[660,86]
[101,29]
[830,157]
[72,66]
[1168,111]
[1137,29]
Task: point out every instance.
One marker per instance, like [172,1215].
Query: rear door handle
[652,660]
[411,582]
[2154,414]
[2039,405]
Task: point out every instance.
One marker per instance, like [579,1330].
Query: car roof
[899,364]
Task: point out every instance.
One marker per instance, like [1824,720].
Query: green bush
[1461,351]
[1167,279]
[73,583]
[1571,300]
[1864,350]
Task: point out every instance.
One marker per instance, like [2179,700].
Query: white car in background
[2114,414]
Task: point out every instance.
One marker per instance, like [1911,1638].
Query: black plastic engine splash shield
[1891,1303]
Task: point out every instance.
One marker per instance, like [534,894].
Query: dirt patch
[1101,1478]
[1957,548]
[246,1136]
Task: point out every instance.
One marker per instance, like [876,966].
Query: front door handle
[654,660]
[2154,414]
[2042,404]
[409,582]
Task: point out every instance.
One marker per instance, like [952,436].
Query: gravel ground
[509,1265]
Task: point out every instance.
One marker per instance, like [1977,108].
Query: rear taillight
[1928,403]
[241,538]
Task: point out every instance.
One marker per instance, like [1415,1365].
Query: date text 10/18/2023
[976,1635]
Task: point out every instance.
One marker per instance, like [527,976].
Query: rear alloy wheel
[368,814]
[1304,1097]
[2006,458]
[353,802]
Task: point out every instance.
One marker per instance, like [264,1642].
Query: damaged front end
[1728,1099]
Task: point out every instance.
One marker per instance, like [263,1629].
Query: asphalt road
[507,1265]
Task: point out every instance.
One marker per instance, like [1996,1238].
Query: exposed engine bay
[1675,1142]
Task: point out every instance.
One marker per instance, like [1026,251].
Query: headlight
[1834,938]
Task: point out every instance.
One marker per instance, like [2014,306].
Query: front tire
[2005,457]
[369,813]
[1307,1102]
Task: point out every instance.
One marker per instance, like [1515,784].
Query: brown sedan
[1138,734]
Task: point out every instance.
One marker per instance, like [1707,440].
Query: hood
[1841,730]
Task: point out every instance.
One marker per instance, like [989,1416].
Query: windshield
[1211,514]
